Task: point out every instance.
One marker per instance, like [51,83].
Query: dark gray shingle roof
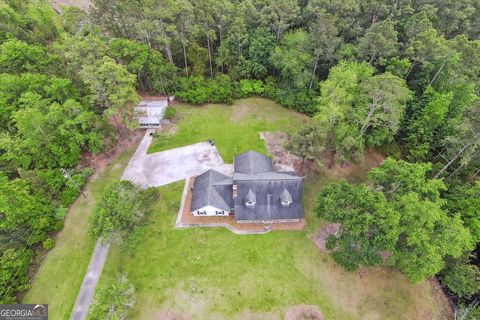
[285,196]
[252,162]
[212,188]
[256,182]
[268,194]
[250,197]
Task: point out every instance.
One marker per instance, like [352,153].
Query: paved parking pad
[161,168]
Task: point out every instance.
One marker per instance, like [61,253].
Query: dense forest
[398,76]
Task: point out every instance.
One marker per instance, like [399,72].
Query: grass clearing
[234,131]
[58,279]
[211,273]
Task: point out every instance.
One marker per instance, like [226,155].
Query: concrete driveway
[150,170]
[161,168]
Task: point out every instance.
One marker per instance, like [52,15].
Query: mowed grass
[211,273]
[58,280]
[234,128]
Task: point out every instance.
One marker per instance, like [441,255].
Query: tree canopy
[122,208]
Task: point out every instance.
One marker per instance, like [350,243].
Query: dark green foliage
[397,178]
[409,82]
[153,72]
[247,88]
[262,42]
[198,90]
[170,113]
[308,142]
[465,200]
[462,278]
[114,301]
[369,226]
[400,215]
[52,183]
[424,124]
[298,100]
[13,268]
[18,57]
[34,22]
[48,244]
[120,211]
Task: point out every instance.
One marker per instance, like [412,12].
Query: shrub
[170,113]
[198,90]
[463,279]
[13,269]
[299,100]
[175,204]
[120,211]
[248,87]
[331,242]
[48,244]
[220,89]
[69,193]
[114,300]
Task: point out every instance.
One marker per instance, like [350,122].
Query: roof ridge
[218,196]
[251,160]
[209,185]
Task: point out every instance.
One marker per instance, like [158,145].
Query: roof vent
[285,198]
[250,199]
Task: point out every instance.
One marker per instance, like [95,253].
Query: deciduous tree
[120,211]
[369,225]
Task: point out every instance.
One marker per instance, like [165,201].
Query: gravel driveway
[161,168]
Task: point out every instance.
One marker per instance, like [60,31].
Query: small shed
[150,113]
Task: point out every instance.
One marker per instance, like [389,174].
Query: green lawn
[211,273]
[234,128]
[58,280]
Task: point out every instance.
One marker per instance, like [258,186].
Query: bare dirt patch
[283,160]
[249,315]
[371,159]
[101,160]
[168,127]
[172,315]
[304,312]
[320,238]
[82,4]
[439,295]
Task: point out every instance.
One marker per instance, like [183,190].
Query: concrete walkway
[149,170]
[87,290]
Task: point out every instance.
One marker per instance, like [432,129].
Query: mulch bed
[320,238]
[101,160]
[283,160]
[304,312]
